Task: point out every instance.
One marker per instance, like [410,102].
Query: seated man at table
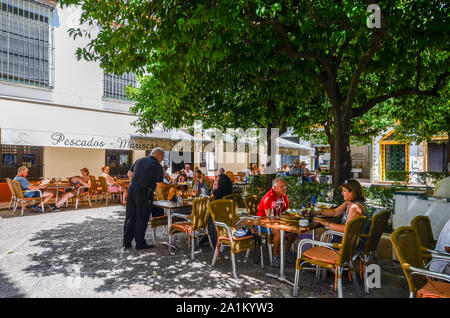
[295,171]
[188,172]
[22,174]
[277,196]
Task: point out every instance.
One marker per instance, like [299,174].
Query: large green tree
[312,65]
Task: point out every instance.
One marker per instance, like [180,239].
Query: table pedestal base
[281,279]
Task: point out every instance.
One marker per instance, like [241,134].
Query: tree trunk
[341,153]
[271,162]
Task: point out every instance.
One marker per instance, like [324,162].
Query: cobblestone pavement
[79,254]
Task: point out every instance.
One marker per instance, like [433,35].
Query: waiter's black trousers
[137,215]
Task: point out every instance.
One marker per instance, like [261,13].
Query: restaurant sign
[11,136]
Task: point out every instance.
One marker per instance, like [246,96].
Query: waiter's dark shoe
[145,247]
[127,246]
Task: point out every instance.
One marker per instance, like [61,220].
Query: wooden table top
[277,224]
[167,204]
[58,185]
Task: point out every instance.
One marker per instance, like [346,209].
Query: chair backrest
[242,175]
[422,226]
[236,197]
[103,183]
[200,213]
[230,175]
[93,184]
[352,233]
[406,245]
[11,189]
[222,211]
[17,189]
[377,225]
[162,194]
[251,204]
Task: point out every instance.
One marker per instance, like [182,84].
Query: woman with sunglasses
[353,206]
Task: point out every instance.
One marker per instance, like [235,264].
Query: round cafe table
[276,223]
[57,186]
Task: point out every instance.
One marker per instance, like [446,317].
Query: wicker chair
[422,226]
[22,200]
[195,225]
[377,225]
[85,192]
[237,199]
[412,257]
[251,204]
[104,189]
[230,175]
[333,256]
[162,194]
[223,214]
[13,201]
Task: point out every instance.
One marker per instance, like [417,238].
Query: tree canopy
[312,65]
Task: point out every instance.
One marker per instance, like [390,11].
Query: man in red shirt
[277,201]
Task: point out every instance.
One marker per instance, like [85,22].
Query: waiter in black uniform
[145,174]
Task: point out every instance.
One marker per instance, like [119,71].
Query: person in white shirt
[247,171]
[442,245]
[442,188]
[189,173]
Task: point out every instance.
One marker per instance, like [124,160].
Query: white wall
[62,162]
[77,83]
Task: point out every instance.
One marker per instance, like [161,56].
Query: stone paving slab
[79,254]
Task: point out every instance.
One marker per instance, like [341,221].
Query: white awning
[28,124]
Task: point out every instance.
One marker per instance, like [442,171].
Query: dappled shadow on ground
[7,288]
[92,248]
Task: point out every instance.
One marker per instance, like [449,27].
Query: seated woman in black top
[222,187]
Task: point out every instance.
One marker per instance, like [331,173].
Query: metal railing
[27,42]
[114,85]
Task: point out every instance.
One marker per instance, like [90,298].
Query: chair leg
[233,264]
[296,281]
[354,280]
[170,243]
[106,196]
[270,253]
[339,282]
[10,203]
[154,235]
[214,256]
[210,243]
[247,254]
[90,203]
[22,205]
[366,286]
[192,247]
[411,295]
[76,204]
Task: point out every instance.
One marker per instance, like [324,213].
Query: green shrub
[383,196]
